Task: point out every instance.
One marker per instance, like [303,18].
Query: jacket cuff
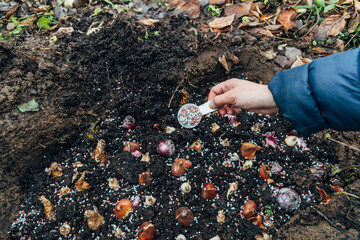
[293,95]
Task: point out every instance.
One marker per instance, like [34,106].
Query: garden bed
[117,72]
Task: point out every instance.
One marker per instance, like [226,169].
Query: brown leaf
[222,22]
[218,2]
[269,54]
[300,61]
[354,22]
[149,22]
[248,150]
[357,5]
[287,18]
[205,28]
[263,31]
[11,11]
[339,45]
[239,10]
[184,97]
[43,8]
[331,26]
[273,27]
[251,23]
[221,30]
[190,8]
[324,50]
[29,21]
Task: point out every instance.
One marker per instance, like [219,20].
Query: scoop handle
[205,108]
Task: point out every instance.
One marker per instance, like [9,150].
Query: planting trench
[113,74]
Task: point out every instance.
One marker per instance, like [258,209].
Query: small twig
[316,23]
[344,144]
[351,38]
[329,221]
[173,95]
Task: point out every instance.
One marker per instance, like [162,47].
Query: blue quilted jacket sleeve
[322,94]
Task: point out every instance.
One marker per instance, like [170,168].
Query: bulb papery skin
[180,237]
[166,148]
[319,172]
[184,216]
[275,167]
[288,199]
[129,122]
[185,187]
[208,191]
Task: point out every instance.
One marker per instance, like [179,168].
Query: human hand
[234,95]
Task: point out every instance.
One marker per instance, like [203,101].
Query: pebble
[293,53]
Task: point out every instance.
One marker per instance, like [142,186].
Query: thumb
[220,100]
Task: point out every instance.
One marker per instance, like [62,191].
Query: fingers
[221,100]
[220,89]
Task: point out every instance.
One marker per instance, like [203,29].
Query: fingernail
[212,105]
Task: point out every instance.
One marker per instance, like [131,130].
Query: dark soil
[116,73]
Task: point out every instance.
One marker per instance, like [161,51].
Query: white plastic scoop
[190,115]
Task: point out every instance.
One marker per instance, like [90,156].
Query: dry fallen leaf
[218,2]
[29,21]
[354,22]
[331,26]
[149,22]
[190,8]
[222,22]
[337,188]
[262,31]
[287,18]
[248,150]
[252,22]
[300,61]
[11,11]
[324,50]
[239,10]
[269,54]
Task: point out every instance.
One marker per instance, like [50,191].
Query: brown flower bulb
[208,191]
[196,146]
[147,231]
[48,208]
[184,216]
[220,217]
[80,184]
[65,190]
[248,150]
[145,177]
[123,208]
[249,209]
[179,166]
[150,201]
[131,147]
[214,127]
[94,218]
[99,153]
[65,229]
[55,169]
[265,171]
[113,183]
